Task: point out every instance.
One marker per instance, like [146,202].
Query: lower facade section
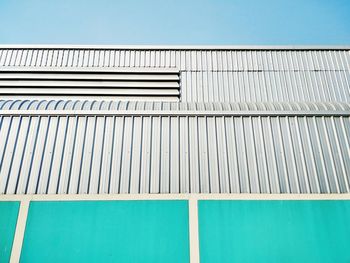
[8,219]
[157,229]
[274,231]
[106,231]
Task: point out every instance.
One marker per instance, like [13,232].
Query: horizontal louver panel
[101,82]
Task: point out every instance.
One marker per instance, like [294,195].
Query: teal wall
[274,231]
[107,231]
[8,221]
[158,231]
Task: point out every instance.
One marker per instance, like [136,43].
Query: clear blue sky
[251,22]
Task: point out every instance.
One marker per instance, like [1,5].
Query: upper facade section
[194,74]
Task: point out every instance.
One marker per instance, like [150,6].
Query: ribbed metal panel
[174,154]
[215,75]
[186,60]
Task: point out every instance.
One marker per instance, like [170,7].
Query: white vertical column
[19,233]
[193,224]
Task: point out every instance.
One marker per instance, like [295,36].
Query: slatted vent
[160,83]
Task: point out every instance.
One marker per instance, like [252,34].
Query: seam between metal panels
[17,113]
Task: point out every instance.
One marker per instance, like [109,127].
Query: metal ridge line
[184,113]
[178,47]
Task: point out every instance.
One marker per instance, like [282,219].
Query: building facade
[174,154]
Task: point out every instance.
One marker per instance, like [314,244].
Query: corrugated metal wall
[206,144]
[216,75]
[175,154]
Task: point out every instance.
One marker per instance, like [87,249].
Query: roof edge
[178,47]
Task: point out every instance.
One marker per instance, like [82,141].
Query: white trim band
[116,197]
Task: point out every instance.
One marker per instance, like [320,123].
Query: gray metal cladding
[215,75]
[51,154]
[249,120]
[187,60]
[260,86]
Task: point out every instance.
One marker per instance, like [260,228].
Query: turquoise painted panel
[107,231]
[274,231]
[8,221]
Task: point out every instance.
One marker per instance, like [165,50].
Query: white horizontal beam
[107,197]
[148,70]
[86,76]
[98,91]
[103,98]
[87,84]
